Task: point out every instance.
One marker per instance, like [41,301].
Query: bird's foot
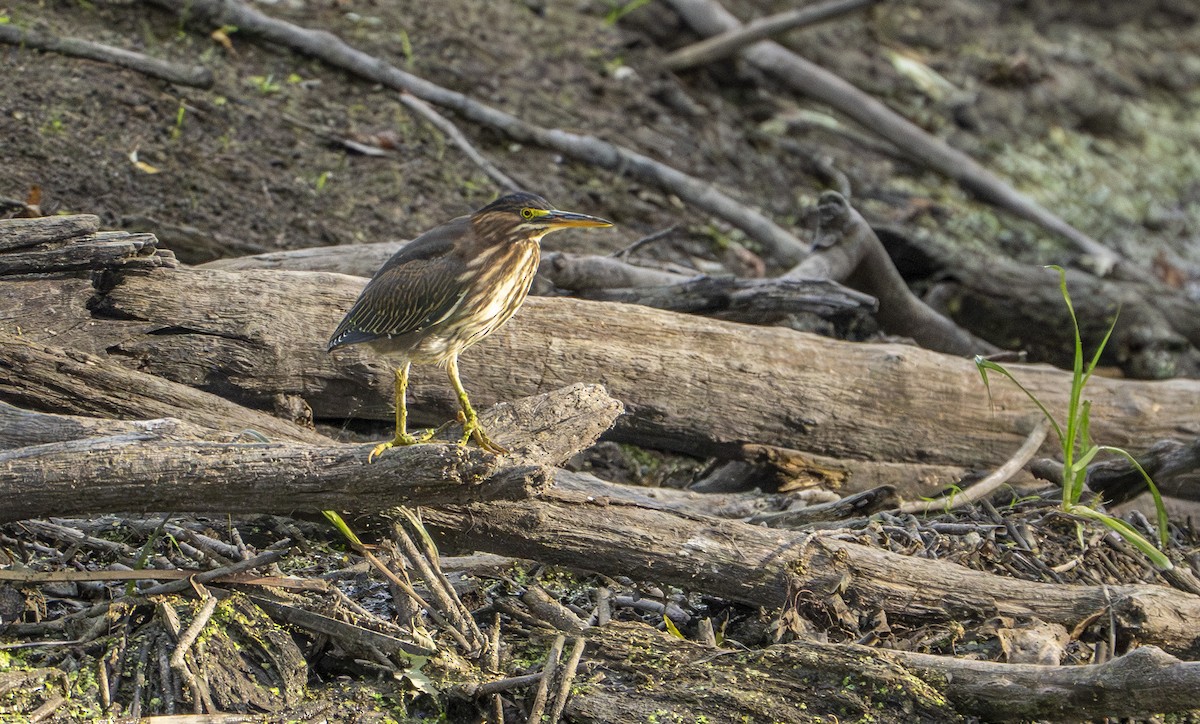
[472,430]
[402,439]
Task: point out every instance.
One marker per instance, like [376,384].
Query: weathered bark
[1018,306]
[754,301]
[359,260]
[24,233]
[137,473]
[20,428]
[579,273]
[755,507]
[98,250]
[848,251]
[704,387]
[767,567]
[757,301]
[49,379]
[647,671]
[1145,679]
[702,383]
[150,469]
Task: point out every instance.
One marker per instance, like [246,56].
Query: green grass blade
[1066,295]
[1126,531]
[1099,350]
[984,365]
[1085,426]
[1159,508]
[1085,460]
[342,527]
[1078,379]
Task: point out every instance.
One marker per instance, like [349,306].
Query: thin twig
[731,41]
[200,695]
[428,550]
[444,125]
[197,76]
[499,685]
[493,653]
[568,677]
[493,663]
[47,710]
[408,590]
[539,698]
[440,590]
[989,484]
[647,239]
[192,632]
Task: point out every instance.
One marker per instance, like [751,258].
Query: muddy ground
[1090,111]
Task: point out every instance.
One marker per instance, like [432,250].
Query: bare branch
[731,41]
[197,76]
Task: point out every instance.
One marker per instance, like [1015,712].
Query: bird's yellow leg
[402,436]
[471,427]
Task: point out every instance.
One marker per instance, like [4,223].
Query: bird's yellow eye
[527,213]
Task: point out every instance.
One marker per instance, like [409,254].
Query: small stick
[731,41]
[989,484]
[192,632]
[200,694]
[539,699]
[46,710]
[458,611]
[647,239]
[102,683]
[499,685]
[444,125]
[493,652]
[197,76]
[568,676]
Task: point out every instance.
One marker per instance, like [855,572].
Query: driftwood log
[804,680]
[754,301]
[149,466]
[776,568]
[1156,337]
[702,387]
[848,250]
[1017,306]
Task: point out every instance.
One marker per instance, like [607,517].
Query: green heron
[448,289]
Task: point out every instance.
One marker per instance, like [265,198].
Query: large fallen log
[51,379]
[699,384]
[645,671]
[771,567]
[137,473]
[150,466]
[690,384]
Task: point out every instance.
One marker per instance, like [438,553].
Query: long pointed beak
[567,219]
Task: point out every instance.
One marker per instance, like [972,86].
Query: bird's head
[525,216]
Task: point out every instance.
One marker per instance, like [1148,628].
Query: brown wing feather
[415,288]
